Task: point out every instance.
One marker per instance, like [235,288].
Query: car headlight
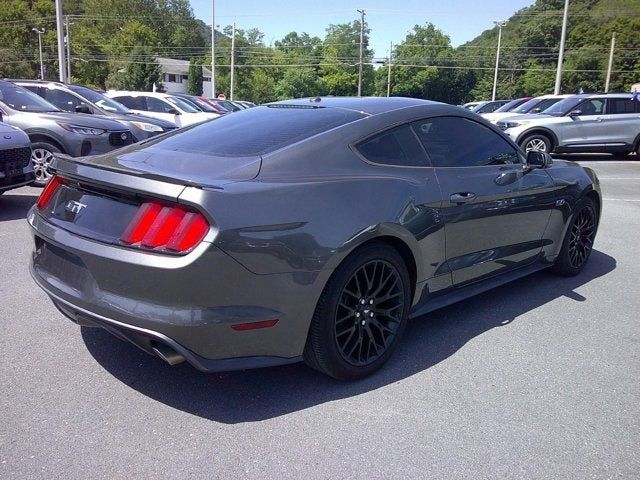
[79,129]
[148,127]
[516,124]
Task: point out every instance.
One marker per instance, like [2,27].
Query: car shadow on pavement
[255,395]
[14,207]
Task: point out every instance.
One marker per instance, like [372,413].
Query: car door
[623,121]
[587,125]
[495,210]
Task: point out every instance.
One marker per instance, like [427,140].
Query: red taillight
[165,227]
[49,190]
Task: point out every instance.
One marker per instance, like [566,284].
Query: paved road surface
[537,379]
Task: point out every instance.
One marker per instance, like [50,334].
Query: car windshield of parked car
[100,100]
[23,100]
[508,106]
[257,131]
[526,106]
[563,106]
[182,105]
[202,105]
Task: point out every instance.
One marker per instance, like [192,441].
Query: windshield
[23,100]
[100,100]
[526,106]
[508,106]
[562,107]
[203,105]
[181,104]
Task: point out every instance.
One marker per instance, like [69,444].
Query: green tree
[142,73]
[194,80]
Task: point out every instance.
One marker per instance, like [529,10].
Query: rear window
[257,131]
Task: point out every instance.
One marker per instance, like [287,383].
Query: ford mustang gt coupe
[309,229]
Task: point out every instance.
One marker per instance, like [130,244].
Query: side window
[62,100]
[460,142]
[544,104]
[594,106]
[623,105]
[396,147]
[157,105]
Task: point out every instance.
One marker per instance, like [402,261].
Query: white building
[175,74]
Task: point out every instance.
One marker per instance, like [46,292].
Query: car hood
[136,117]
[186,168]
[82,119]
[517,117]
[4,128]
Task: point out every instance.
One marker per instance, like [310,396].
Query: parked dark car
[489,107]
[226,105]
[53,131]
[304,230]
[81,99]
[200,104]
[15,158]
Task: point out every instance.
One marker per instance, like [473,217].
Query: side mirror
[174,111]
[83,108]
[535,110]
[575,113]
[536,159]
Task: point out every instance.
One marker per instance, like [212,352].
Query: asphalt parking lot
[536,379]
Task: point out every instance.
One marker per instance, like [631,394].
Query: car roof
[368,105]
[138,94]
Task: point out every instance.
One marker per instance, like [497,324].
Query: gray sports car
[309,229]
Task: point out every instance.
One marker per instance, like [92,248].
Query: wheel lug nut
[371,314]
[371,302]
[363,323]
[362,302]
[357,314]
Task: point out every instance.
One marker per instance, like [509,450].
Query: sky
[389,21]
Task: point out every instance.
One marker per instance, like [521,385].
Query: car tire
[537,142]
[343,323]
[578,242]
[41,156]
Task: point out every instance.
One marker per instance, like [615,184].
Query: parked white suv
[599,123]
[163,106]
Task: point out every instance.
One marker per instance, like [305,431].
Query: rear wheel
[578,241]
[41,157]
[537,142]
[361,314]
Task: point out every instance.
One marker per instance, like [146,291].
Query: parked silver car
[15,158]
[81,99]
[53,131]
[599,123]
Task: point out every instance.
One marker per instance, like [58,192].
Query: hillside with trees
[114,44]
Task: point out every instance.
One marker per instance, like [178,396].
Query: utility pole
[66,24]
[362,14]
[61,63]
[563,37]
[389,72]
[213,49]
[613,46]
[40,32]
[495,75]
[233,57]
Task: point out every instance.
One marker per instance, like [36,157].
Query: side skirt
[457,294]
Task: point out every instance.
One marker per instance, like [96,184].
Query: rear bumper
[187,303]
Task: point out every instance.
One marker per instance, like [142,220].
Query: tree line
[114,44]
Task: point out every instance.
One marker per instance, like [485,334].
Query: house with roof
[175,74]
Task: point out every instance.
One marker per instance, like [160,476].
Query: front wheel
[41,156]
[361,314]
[578,241]
[536,142]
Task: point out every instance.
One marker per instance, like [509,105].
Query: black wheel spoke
[583,232]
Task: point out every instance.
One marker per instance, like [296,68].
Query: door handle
[462,197]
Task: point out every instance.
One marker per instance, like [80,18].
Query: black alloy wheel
[578,241]
[583,232]
[361,314]
[369,312]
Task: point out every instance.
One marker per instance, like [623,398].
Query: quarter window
[460,142]
[396,147]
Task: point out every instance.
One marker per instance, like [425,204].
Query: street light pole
[213,49]
[389,72]
[362,14]
[563,36]
[40,32]
[61,62]
[233,57]
[495,75]
[66,24]
[613,46]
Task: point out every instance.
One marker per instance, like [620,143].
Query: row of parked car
[582,123]
[40,119]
